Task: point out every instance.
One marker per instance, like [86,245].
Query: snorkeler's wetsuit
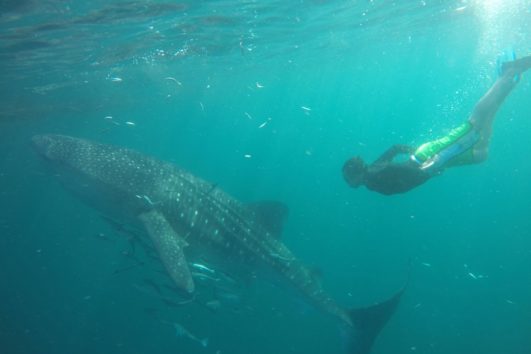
[429,159]
[388,177]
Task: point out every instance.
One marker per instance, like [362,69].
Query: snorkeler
[466,144]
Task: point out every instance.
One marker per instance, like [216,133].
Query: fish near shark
[186,216]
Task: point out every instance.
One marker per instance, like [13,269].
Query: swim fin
[507,56]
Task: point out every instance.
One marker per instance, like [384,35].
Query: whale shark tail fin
[367,322]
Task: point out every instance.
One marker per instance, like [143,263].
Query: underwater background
[267,99]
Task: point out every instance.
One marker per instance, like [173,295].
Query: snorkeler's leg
[519,65]
[488,105]
[485,110]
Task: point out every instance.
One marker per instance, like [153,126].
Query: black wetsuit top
[388,177]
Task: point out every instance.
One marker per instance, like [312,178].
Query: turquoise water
[267,100]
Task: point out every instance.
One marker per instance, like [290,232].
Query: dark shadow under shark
[187,217]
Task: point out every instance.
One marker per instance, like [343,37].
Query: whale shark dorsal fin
[169,246]
[271,214]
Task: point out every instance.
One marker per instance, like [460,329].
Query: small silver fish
[180,331]
[203,267]
[169,78]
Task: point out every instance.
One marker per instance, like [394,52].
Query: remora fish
[183,214]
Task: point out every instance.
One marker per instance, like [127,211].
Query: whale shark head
[94,172]
[68,157]
[54,147]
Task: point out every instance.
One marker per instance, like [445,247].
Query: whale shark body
[188,218]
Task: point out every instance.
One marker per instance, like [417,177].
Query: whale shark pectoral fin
[169,246]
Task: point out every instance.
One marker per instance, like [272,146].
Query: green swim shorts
[462,153]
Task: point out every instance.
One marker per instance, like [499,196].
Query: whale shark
[187,218]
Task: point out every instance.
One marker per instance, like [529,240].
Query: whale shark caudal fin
[169,246]
[367,322]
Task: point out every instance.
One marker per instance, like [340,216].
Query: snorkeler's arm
[394,150]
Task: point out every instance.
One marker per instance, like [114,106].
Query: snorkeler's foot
[516,67]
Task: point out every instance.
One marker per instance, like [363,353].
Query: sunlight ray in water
[502,24]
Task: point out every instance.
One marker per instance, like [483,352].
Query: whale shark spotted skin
[185,216]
